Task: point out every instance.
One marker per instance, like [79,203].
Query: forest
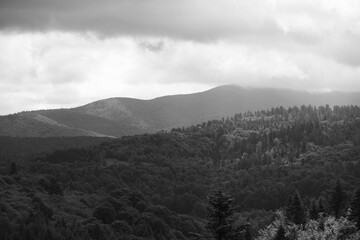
[274,174]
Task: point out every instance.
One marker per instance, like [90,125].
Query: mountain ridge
[118,116]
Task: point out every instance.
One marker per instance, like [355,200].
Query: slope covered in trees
[155,186]
[118,117]
[18,146]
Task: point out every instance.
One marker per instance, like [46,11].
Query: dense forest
[277,174]
[11,147]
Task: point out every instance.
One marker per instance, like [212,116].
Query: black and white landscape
[167,119]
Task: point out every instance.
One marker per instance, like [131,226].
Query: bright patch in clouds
[74,52]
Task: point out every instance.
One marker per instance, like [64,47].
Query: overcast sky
[67,53]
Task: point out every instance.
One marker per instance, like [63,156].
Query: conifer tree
[13,168]
[355,208]
[321,222]
[314,210]
[280,233]
[295,211]
[220,212]
[321,207]
[337,200]
[248,235]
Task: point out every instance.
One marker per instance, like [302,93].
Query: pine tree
[220,212]
[295,211]
[321,207]
[314,210]
[355,208]
[280,233]
[321,223]
[13,168]
[337,200]
[248,235]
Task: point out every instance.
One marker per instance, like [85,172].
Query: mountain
[115,117]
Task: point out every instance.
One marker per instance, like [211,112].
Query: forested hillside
[21,146]
[117,117]
[283,168]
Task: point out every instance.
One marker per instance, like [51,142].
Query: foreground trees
[337,200]
[295,223]
[220,210]
[280,233]
[295,211]
[328,228]
[355,208]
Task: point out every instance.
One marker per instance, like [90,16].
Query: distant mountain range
[116,117]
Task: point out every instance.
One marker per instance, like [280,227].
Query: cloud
[67,53]
[345,48]
[190,19]
[153,46]
[65,69]
[329,25]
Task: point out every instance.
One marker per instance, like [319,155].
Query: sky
[61,54]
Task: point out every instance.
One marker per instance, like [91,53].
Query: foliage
[105,212]
[334,229]
[155,186]
[295,211]
[25,146]
[337,200]
[355,208]
[280,233]
[314,210]
[13,168]
[220,211]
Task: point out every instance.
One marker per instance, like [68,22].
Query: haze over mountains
[116,117]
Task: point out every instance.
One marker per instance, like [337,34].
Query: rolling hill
[116,117]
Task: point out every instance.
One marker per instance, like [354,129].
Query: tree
[355,208]
[332,228]
[248,235]
[314,210]
[280,233]
[295,211]
[337,200]
[220,211]
[54,187]
[13,168]
[105,212]
[243,232]
[321,207]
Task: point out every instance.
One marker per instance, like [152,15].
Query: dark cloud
[196,20]
[62,52]
[152,46]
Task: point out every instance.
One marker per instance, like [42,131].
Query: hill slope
[156,186]
[117,117]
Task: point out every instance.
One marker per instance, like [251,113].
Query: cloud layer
[190,19]
[66,53]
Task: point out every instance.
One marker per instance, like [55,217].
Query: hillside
[11,147]
[155,186]
[116,117]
